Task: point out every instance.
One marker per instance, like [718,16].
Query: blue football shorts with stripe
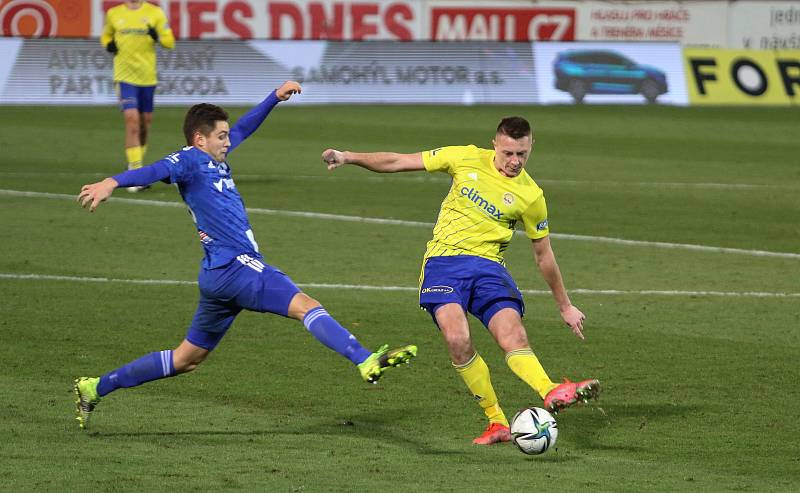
[247,283]
[135,97]
[481,286]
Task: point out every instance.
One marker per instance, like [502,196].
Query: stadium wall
[742,24]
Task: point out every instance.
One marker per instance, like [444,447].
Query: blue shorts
[245,284]
[481,286]
[135,97]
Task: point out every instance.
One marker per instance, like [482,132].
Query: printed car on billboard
[582,72]
[610,73]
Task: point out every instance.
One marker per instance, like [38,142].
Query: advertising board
[764,25]
[73,71]
[610,73]
[743,77]
[691,23]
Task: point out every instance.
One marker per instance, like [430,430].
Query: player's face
[133,4]
[511,154]
[216,143]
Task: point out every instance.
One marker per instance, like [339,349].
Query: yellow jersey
[135,63]
[481,210]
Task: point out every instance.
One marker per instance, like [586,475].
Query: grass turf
[699,390]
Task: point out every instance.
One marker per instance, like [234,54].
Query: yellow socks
[527,367]
[134,156]
[144,152]
[475,374]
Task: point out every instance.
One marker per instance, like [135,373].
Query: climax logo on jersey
[437,289]
[481,202]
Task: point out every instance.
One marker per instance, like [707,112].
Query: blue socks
[149,367]
[330,333]
[158,365]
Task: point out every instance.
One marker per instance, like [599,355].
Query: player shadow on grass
[595,421]
[387,427]
[368,425]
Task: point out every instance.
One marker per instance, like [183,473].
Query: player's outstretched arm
[546,261]
[379,162]
[91,195]
[250,121]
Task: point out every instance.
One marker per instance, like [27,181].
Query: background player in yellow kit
[464,270]
[131,32]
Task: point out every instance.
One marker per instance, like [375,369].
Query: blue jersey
[208,189]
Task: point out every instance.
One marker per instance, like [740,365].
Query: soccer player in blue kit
[233,274]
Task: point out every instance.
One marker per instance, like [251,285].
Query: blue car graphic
[582,72]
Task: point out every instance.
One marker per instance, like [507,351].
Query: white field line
[443,179]
[364,287]
[400,222]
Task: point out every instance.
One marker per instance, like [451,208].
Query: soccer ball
[534,430]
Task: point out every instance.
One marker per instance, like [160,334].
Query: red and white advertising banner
[46,18]
[689,23]
[338,20]
[765,25]
[740,24]
[500,21]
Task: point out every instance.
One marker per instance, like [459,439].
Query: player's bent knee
[300,305]
[187,365]
[188,356]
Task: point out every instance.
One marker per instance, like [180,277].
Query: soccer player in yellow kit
[463,268]
[131,32]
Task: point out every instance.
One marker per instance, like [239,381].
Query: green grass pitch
[699,371]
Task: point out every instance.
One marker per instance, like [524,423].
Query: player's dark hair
[515,127]
[202,118]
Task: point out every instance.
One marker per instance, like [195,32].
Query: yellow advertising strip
[742,77]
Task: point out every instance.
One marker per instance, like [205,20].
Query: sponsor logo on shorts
[437,289]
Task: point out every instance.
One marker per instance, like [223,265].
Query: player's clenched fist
[333,158]
[287,89]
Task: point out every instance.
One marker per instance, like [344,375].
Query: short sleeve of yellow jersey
[444,158]
[535,219]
